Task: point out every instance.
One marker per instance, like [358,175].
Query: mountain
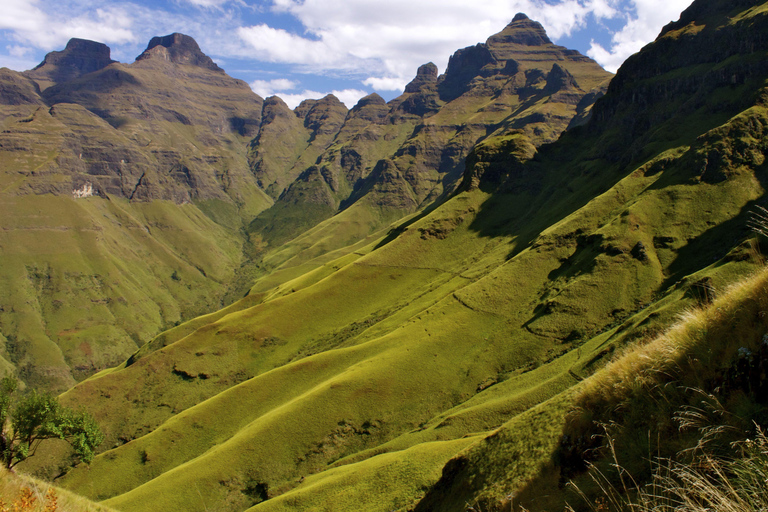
[387,160]
[79,58]
[137,196]
[123,191]
[437,365]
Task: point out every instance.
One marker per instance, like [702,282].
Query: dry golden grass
[19,493]
[691,349]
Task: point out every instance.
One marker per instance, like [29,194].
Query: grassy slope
[444,318]
[420,149]
[94,271]
[85,282]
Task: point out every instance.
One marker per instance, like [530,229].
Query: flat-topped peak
[79,57]
[179,49]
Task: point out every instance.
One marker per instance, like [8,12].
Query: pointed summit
[427,74]
[521,30]
[80,57]
[179,49]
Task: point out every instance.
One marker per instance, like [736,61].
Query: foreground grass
[734,484]
[20,493]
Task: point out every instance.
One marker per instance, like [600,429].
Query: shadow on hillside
[713,244]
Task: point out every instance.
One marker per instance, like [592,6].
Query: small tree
[26,422]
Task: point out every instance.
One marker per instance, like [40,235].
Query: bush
[27,421]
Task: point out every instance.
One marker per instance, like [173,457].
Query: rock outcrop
[79,58]
[179,49]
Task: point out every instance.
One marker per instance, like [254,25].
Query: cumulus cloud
[53,27]
[644,22]
[386,83]
[349,97]
[278,45]
[266,88]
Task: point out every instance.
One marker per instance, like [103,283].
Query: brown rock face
[79,58]
[179,49]
[521,31]
[426,75]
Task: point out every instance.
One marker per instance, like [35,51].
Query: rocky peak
[372,108]
[80,57]
[179,49]
[427,74]
[559,79]
[326,114]
[522,31]
[274,107]
[371,99]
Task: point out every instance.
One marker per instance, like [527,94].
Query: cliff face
[79,58]
[706,55]
[179,49]
[172,125]
[124,189]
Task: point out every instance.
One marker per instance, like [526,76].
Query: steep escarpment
[165,160]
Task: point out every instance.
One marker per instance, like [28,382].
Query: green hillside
[119,217]
[440,363]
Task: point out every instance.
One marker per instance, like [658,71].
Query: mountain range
[167,188]
[421,297]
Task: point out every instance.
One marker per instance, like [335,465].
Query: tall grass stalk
[738,484]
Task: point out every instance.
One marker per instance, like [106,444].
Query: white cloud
[52,28]
[278,45]
[642,27]
[349,97]
[207,3]
[20,51]
[21,15]
[386,83]
[265,88]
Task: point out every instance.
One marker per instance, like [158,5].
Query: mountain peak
[179,49]
[78,58]
[523,31]
[427,74]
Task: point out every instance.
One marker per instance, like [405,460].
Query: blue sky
[308,48]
